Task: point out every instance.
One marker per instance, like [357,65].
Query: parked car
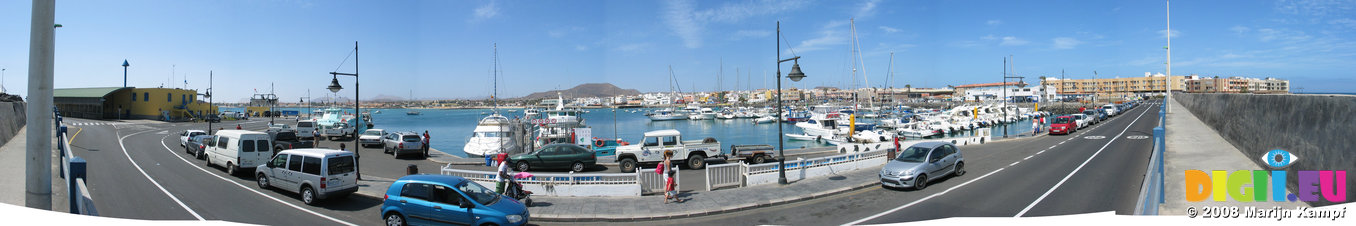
[923,162]
[314,173]
[555,156]
[198,145]
[237,149]
[1063,125]
[288,140]
[212,118]
[692,153]
[448,200]
[187,134]
[306,129]
[1111,109]
[399,143]
[371,137]
[1093,116]
[1081,120]
[280,128]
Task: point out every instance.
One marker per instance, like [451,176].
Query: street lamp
[124,73]
[334,88]
[795,76]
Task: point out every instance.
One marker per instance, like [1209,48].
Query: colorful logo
[1252,185]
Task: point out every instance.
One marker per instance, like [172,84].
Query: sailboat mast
[494,97]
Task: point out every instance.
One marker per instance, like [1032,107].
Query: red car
[1063,125]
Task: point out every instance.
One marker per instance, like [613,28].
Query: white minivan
[306,129]
[1111,109]
[314,173]
[235,149]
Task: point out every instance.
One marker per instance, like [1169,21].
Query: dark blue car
[443,199]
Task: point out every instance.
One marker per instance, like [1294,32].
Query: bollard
[412,169]
[77,166]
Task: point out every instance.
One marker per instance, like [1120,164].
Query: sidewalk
[697,203]
[13,174]
[1192,145]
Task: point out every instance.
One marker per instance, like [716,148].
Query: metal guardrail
[1152,192]
[73,170]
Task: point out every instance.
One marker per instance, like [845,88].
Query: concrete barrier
[1316,128]
[13,116]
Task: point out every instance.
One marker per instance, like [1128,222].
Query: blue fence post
[1160,136]
[61,146]
[77,165]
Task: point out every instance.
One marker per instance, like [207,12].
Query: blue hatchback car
[443,199]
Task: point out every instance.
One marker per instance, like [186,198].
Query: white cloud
[1164,33]
[1344,23]
[1066,43]
[830,34]
[743,34]
[688,23]
[867,9]
[581,47]
[994,22]
[889,29]
[1284,35]
[989,37]
[1240,29]
[633,47]
[486,12]
[1013,41]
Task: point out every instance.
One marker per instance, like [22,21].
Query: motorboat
[492,135]
[726,114]
[666,114]
[764,119]
[703,114]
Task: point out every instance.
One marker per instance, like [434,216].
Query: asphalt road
[138,171]
[1024,177]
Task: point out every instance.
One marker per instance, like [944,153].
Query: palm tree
[909,93]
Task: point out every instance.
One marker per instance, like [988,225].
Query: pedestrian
[343,147]
[237,126]
[426,141]
[502,174]
[1035,127]
[670,186]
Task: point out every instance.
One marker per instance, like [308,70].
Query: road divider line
[1080,166]
[172,152]
[148,176]
[1027,157]
[921,200]
[1014,163]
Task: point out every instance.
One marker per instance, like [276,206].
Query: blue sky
[444,49]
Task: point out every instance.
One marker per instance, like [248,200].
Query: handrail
[73,169]
[1152,192]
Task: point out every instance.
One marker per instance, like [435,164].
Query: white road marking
[921,200]
[172,152]
[1080,166]
[148,177]
[1027,157]
[1042,151]
[1014,163]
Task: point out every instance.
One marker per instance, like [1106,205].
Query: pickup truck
[651,150]
[284,140]
[753,154]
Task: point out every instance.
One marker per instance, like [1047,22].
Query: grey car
[921,163]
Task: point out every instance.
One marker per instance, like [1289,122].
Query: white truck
[651,150]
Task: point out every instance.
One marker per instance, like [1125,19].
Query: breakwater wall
[12,118]
[1318,129]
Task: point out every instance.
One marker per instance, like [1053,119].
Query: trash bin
[412,169]
[487,160]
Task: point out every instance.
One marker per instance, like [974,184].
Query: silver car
[920,163]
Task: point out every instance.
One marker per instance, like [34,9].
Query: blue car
[443,199]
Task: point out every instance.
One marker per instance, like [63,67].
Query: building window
[169,97]
[134,97]
[146,96]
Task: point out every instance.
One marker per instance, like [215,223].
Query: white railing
[722,175]
[652,182]
[562,184]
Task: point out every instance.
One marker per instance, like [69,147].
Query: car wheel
[385,150]
[577,167]
[759,159]
[395,154]
[230,169]
[394,219]
[960,169]
[522,166]
[308,195]
[921,182]
[696,162]
[628,165]
[208,163]
[263,181]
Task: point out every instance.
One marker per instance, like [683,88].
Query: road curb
[748,206]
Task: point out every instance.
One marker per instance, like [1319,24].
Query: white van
[314,173]
[306,129]
[235,149]
[1111,109]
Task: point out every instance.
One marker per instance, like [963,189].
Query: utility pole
[38,154]
[211,107]
[1168,87]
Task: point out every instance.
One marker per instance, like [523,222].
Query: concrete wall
[12,118]
[1318,129]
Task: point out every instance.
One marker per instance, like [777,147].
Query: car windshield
[305,124]
[913,154]
[1061,120]
[480,194]
[1078,116]
[1089,112]
[372,132]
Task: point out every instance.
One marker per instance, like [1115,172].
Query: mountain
[585,90]
[387,98]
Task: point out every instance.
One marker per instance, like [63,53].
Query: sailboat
[669,113]
[412,111]
[494,133]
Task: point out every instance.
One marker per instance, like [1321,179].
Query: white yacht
[667,114]
[703,114]
[491,136]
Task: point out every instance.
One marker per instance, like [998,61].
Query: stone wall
[12,118]
[1318,129]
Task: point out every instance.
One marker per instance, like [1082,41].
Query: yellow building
[170,104]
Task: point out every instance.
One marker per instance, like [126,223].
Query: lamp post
[795,76]
[124,73]
[357,108]
[210,106]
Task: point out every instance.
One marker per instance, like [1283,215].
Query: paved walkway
[1192,145]
[13,175]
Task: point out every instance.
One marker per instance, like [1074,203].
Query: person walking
[237,126]
[426,141]
[1035,126]
[503,174]
[670,186]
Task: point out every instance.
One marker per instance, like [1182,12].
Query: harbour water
[450,129]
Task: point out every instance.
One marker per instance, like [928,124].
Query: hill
[585,90]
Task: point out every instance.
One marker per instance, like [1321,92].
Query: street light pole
[357,108]
[210,105]
[795,76]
